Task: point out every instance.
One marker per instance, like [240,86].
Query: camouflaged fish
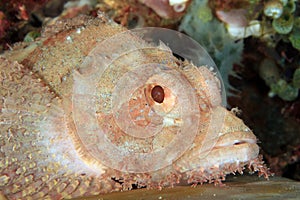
[91,108]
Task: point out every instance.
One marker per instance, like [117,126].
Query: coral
[168,9]
[31,36]
[228,5]
[296,78]
[14,17]
[284,24]
[294,36]
[282,16]
[269,72]
[287,29]
[273,21]
[284,90]
[4,24]
[273,9]
[205,14]
[291,6]
[295,39]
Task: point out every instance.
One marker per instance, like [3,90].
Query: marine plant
[200,23]
[221,28]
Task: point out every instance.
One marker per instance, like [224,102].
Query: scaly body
[61,117]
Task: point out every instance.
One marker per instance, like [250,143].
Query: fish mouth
[232,148]
[242,141]
[237,138]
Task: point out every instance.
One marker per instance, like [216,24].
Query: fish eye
[158,94]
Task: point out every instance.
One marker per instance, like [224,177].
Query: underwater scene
[149,99]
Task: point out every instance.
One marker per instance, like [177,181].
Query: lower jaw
[217,174]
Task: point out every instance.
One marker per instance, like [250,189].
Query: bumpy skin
[44,156]
[164,9]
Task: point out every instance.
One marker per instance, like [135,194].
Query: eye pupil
[158,94]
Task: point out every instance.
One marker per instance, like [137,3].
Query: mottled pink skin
[43,155]
[234,17]
[164,9]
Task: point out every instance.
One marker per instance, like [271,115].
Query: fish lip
[244,141]
[236,139]
[236,143]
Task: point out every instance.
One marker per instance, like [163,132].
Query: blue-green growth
[200,24]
